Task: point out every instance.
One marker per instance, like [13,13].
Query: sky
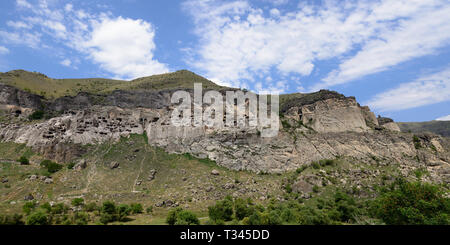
[393,55]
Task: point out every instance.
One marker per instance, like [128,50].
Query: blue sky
[393,55]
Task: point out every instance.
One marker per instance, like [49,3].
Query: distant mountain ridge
[437,127]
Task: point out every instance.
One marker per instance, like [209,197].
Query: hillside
[51,88]
[437,127]
[70,146]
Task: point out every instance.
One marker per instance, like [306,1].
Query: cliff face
[323,125]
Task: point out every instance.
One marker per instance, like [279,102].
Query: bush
[28,207]
[80,218]
[77,202]
[91,207]
[47,207]
[149,210]
[123,210]
[23,160]
[71,165]
[52,167]
[178,216]
[36,115]
[412,203]
[223,210]
[59,208]
[108,207]
[38,218]
[136,208]
[242,209]
[15,219]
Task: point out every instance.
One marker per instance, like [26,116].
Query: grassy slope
[99,183]
[53,88]
[437,127]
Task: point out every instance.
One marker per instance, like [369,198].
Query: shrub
[315,165]
[77,201]
[91,207]
[23,160]
[223,210]
[108,207]
[178,216]
[47,207]
[416,142]
[123,210]
[241,208]
[52,167]
[39,114]
[136,208]
[80,218]
[149,210]
[38,218]
[71,165]
[412,203]
[59,208]
[28,207]
[15,219]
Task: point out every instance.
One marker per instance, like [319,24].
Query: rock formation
[321,125]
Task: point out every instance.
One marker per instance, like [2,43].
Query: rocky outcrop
[323,125]
[331,115]
[388,124]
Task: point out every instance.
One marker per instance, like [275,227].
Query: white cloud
[23,4]
[240,42]
[412,38]
[444,118]
[29,39]
[426,90]
[18,24]
[4,50]
[121,46]
[66,63]
[125,47]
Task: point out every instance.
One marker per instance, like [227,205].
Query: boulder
[113,165]
[28,197]
[152,175]
[215,172]
[48,181]
[80,165]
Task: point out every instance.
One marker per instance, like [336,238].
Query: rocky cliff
[321,125]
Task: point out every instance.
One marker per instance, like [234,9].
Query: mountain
[115,140]
[437,127]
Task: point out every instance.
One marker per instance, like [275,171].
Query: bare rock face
[391,126]
[326,125]
[388,124]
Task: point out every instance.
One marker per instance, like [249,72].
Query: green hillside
[437,127]
[50,88]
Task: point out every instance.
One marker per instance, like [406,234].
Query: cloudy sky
[393,55]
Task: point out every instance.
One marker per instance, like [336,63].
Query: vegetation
[437,127]
[51,167]
[178,216]
[408,203]
[37,115]
[23,160]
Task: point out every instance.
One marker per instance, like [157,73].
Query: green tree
[412,203]
[223,210]
[38,218]
[178,216]
[136,208]
[23,160]
[77,202]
